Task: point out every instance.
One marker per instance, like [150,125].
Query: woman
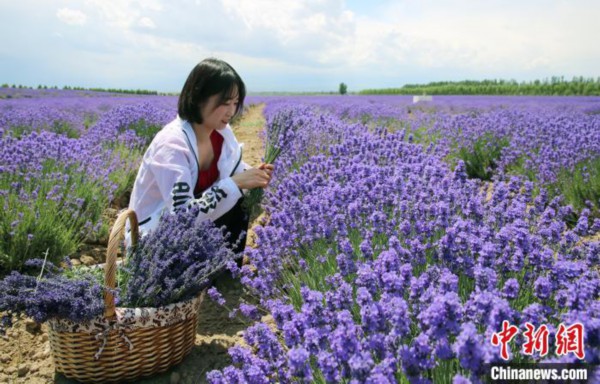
[196,161]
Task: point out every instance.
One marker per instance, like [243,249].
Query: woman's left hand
[268,168]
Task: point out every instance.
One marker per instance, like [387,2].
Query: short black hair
[209,77]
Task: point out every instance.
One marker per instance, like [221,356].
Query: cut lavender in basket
[175,261]
[53,295]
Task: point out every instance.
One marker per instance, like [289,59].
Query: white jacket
[169,172]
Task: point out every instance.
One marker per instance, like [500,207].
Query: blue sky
[291,45]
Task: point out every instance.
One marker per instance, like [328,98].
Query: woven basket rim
[132,316]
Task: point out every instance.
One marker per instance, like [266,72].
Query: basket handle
[110,268]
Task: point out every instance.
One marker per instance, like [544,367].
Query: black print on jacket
[208,200]
[180,194]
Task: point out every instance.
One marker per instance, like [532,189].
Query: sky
[294,45]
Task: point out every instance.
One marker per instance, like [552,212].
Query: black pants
[236,222]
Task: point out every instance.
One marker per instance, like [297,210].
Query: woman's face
[217,116]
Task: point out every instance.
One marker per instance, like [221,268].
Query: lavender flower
[328,365]
[511,289]
[299,364]
[443,317]
[216,296]
[262,338]
[416,358]
[459,379]
[360,365]
[250,311]
[469,349]
[543,288]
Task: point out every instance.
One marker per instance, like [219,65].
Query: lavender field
[66,155]
[384,262]
[399,237]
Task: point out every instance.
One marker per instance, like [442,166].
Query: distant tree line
[111,90]
[114,90]
[555,86]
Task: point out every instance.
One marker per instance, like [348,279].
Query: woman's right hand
[252,178]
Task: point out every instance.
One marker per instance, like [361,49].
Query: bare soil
[25,355]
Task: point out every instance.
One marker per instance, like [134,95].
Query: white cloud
[116,14]
[495,36]
[310,32]
[71,16]
[146,22]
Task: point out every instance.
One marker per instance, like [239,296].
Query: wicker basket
[122,353]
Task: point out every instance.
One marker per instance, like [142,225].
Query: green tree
[343,88]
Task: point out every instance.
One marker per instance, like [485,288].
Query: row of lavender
[553,142]
[380,264]
[555,146]
[65,157]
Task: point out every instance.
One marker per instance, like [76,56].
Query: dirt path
[25,356]
[247,131]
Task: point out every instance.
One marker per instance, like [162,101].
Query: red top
[208,177]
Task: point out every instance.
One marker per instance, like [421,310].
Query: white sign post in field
[416,99]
